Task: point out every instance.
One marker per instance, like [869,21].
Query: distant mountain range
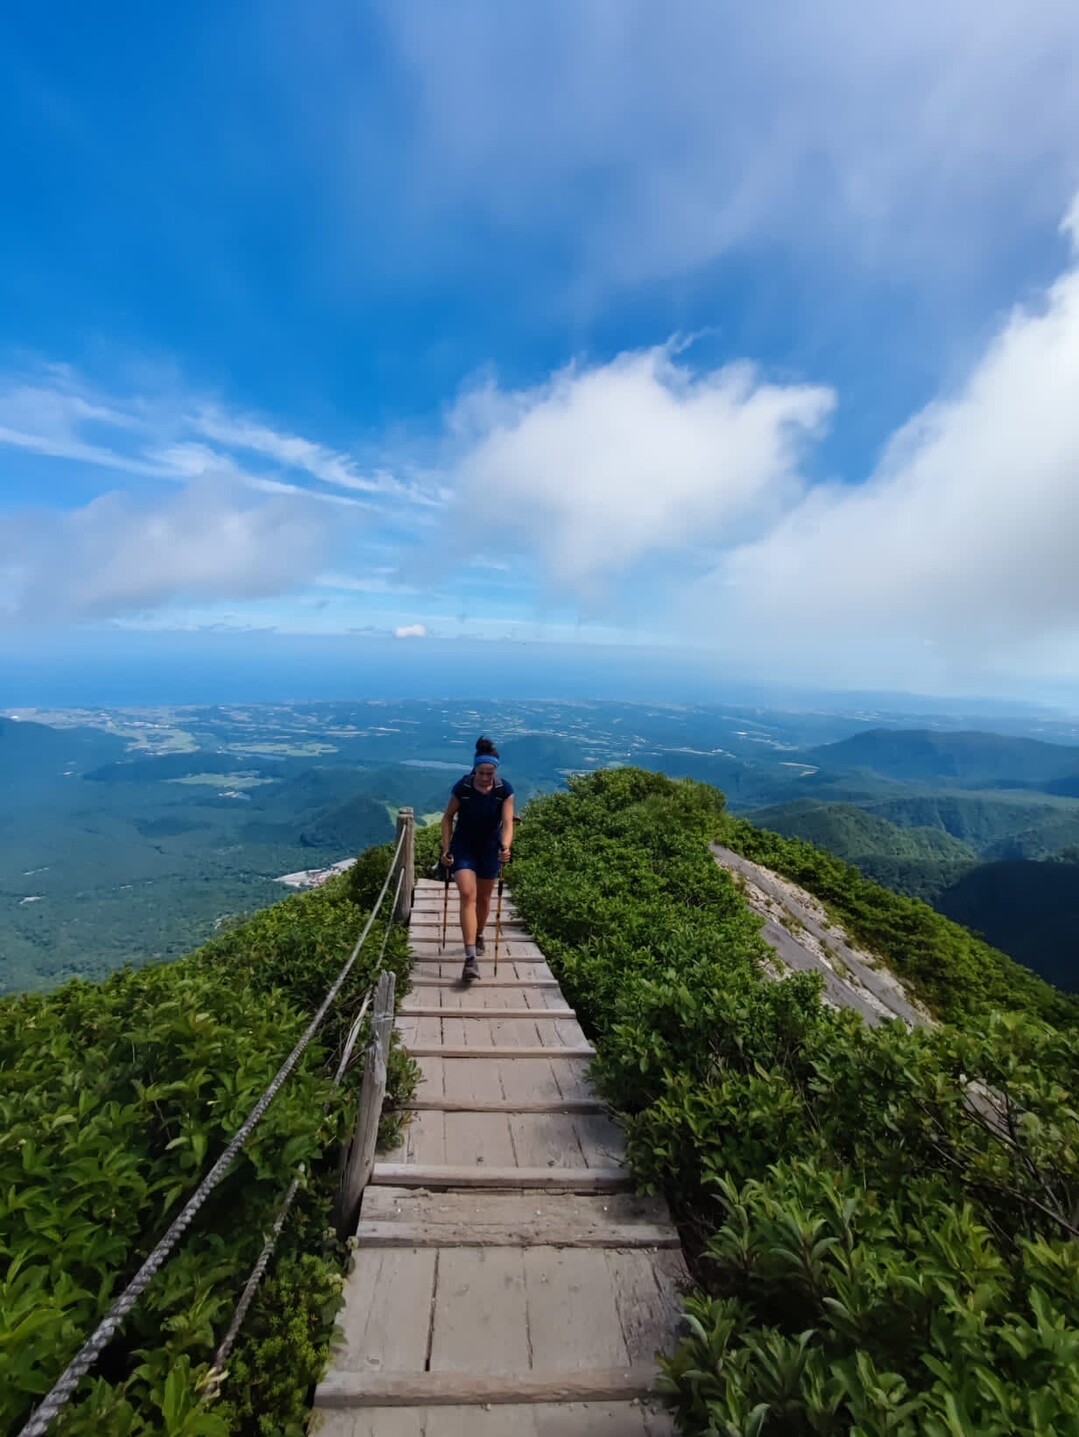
[969,760]
[129,840]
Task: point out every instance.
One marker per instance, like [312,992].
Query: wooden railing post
[406,824]
[360,1158]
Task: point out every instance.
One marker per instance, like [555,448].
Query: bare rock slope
[805,939]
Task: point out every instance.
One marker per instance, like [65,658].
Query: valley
[130,836]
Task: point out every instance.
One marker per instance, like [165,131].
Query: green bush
[885,1221]
[115,1099]
[367,875]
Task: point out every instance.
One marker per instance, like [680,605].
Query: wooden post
[406,824]
[360,1158]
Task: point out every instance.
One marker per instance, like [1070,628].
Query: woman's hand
[447,859]
[504,854]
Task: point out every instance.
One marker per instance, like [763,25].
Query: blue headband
[484,758]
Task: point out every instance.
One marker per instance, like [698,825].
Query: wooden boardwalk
[507,1282]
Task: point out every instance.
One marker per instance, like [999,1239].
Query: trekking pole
[498,918]
[445,903]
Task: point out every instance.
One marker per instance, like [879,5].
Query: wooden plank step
[424,923]
[422,920]
[418,1234]
[513,1209]
[505,960]
[548,1219]
[536,1014]
[424,1175]
[465,1389]
[539,1419]
[432,912]
[455,982]
[434,920]
[503,1105]
[439,1050]
[422,962]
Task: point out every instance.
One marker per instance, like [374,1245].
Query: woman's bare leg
[466,887]
[484,889]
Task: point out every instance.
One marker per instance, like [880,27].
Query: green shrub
[115,1098]
[885,1220]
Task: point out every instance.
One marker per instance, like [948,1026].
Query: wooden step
[453,923]
[438,1050]
[513,1209]
[467,1389]
[503,1105]
[451,982]
[429,912]
[536,1014]
[434,920]
[504,959]
[573,1180]
[418,1234]
[486,1218]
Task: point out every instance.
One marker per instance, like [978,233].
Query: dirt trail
[806,940]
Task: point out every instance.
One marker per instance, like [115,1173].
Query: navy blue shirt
[479,815]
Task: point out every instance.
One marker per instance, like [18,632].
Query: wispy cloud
[57,446]
[921,139]
[294,452]
[176,436]
[179,508]
[56,416]
[371,583]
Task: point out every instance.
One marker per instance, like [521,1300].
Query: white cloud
[377,581]
[959,557]
[923,136]
[58,415]
[410,631]
[118,555]
[610,465]
[293,452]
[55,417]
[676,494]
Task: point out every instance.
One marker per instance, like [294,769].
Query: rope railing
[217,1372]
[67,1383]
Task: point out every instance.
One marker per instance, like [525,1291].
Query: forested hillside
[1029,909]
[115,1099]
[855,833]
[873,1253]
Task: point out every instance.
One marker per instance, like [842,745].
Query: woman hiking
[478,844]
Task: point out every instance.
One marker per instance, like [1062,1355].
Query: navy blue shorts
[484,862]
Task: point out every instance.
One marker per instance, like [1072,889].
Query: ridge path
[507,1281]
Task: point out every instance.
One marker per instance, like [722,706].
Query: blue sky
[587,323]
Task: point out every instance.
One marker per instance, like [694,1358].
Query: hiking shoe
[470,970]
[481,946]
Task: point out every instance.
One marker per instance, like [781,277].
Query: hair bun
[484,746]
